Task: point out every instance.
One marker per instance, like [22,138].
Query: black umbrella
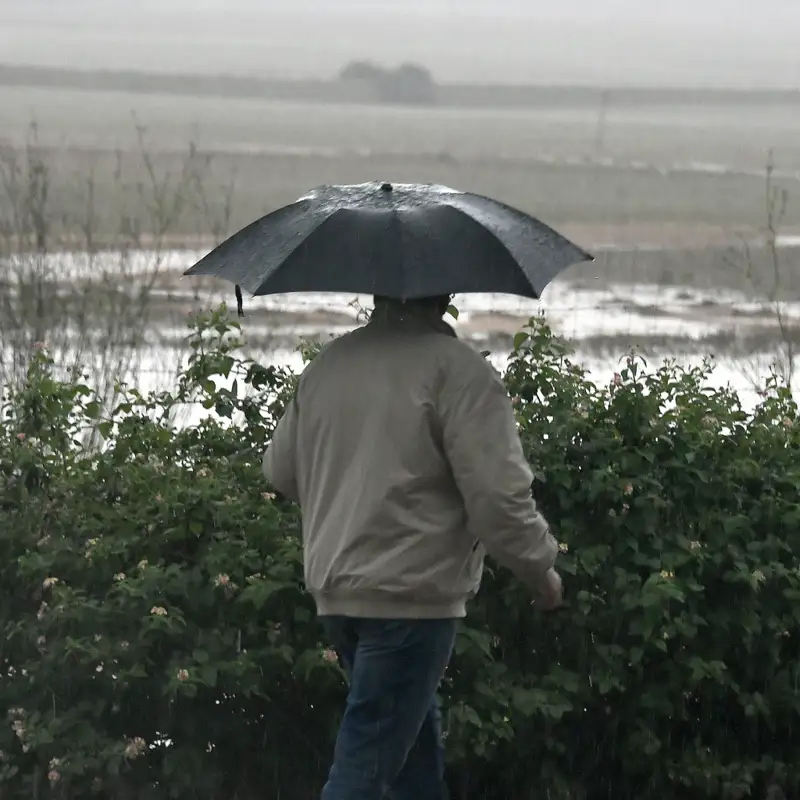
[398,240]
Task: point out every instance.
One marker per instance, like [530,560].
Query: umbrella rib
[288,257]
[516,212]
[499,241]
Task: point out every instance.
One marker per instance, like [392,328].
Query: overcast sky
[732,43]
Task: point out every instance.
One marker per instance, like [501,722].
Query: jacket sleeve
[485,454]
[280,461]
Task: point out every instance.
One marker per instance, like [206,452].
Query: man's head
[437,304]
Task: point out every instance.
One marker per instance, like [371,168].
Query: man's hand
[551,595]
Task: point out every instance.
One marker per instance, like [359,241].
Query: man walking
[401,447]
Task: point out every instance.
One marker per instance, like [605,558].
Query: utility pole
[600,130]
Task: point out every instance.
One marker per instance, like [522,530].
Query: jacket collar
[410,317]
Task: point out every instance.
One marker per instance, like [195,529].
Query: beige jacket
[402,450]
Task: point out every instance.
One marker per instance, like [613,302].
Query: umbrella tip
[386,187]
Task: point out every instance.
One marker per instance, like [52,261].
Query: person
[401,447]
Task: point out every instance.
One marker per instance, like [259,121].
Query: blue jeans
[390,741]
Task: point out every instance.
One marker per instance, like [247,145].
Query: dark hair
[439,303]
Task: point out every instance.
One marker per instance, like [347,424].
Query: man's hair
[440,303]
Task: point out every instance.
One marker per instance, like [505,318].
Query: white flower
[135,747]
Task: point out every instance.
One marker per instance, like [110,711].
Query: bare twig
[769,286]
[90,283]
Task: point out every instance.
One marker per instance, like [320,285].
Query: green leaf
[469,638]
[520,338]
[302,615]
[528,701]
[105,429]
[471,715]
[208,675]
[452,311]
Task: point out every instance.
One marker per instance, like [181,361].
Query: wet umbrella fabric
[398,240]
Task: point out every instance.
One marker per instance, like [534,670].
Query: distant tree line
[367,82]
[408,83]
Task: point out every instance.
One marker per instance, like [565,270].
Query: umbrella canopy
[398,240]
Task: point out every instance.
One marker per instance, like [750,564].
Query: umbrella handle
[239,304]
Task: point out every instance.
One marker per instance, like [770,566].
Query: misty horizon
[687,45]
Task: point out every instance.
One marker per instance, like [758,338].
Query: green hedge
[157,641]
